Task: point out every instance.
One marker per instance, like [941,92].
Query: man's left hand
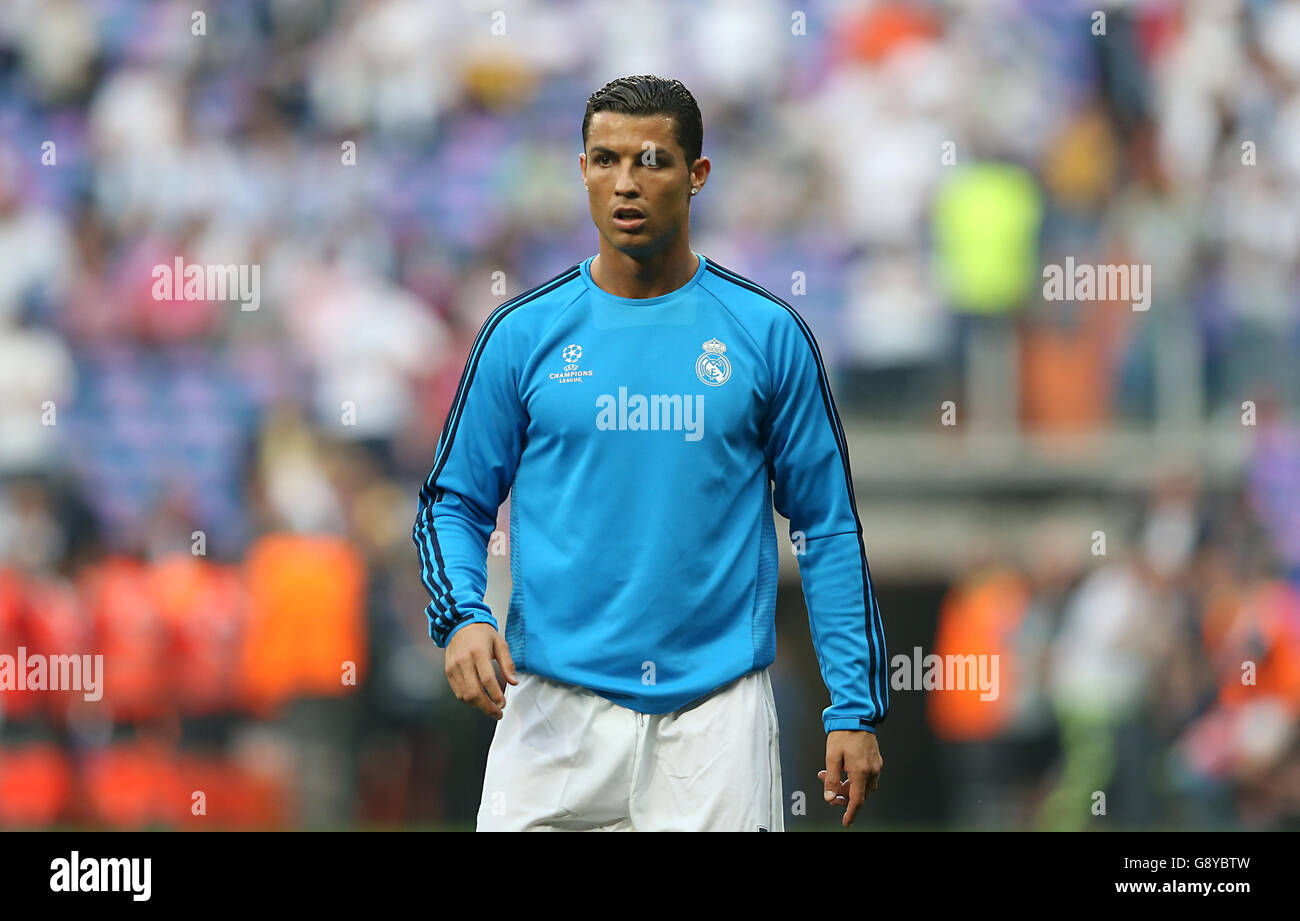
[856,753]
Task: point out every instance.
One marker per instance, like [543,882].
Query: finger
[841,796]
[831,779]
[484,703]
[456,678]
[487,677]
[841,791]
[468,689]
[502,650]
[489,690]
[857,795]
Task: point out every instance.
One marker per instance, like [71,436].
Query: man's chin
[637,244]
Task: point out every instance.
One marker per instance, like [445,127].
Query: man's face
[638,181]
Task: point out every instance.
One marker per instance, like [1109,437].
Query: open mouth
[628,218]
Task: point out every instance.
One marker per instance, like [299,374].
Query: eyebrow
[660,152]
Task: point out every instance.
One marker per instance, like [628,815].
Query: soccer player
[642,409]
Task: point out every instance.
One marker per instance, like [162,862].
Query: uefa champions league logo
[571,374]
[712,366]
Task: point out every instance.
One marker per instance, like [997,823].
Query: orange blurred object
[132,785]
[979,617]
[306,619]
[35,783]
[884,29]
[202,605]
[55,623]
[1261,626]
[1065,384]
[233,797]
[130,635]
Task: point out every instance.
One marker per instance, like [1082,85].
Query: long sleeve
[807,458]
[474,467]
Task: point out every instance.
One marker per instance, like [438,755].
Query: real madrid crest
[712,366]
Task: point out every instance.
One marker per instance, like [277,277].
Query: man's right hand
[469,667]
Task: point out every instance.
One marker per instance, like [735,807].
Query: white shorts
[563,758]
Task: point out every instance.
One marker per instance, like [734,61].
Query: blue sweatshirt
[642,443]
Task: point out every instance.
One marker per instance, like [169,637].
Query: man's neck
[619,274]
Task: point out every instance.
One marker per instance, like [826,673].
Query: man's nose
[626,185]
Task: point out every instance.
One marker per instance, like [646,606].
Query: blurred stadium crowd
[220,500]
[1166,677]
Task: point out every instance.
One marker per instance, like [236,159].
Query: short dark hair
[650,95]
